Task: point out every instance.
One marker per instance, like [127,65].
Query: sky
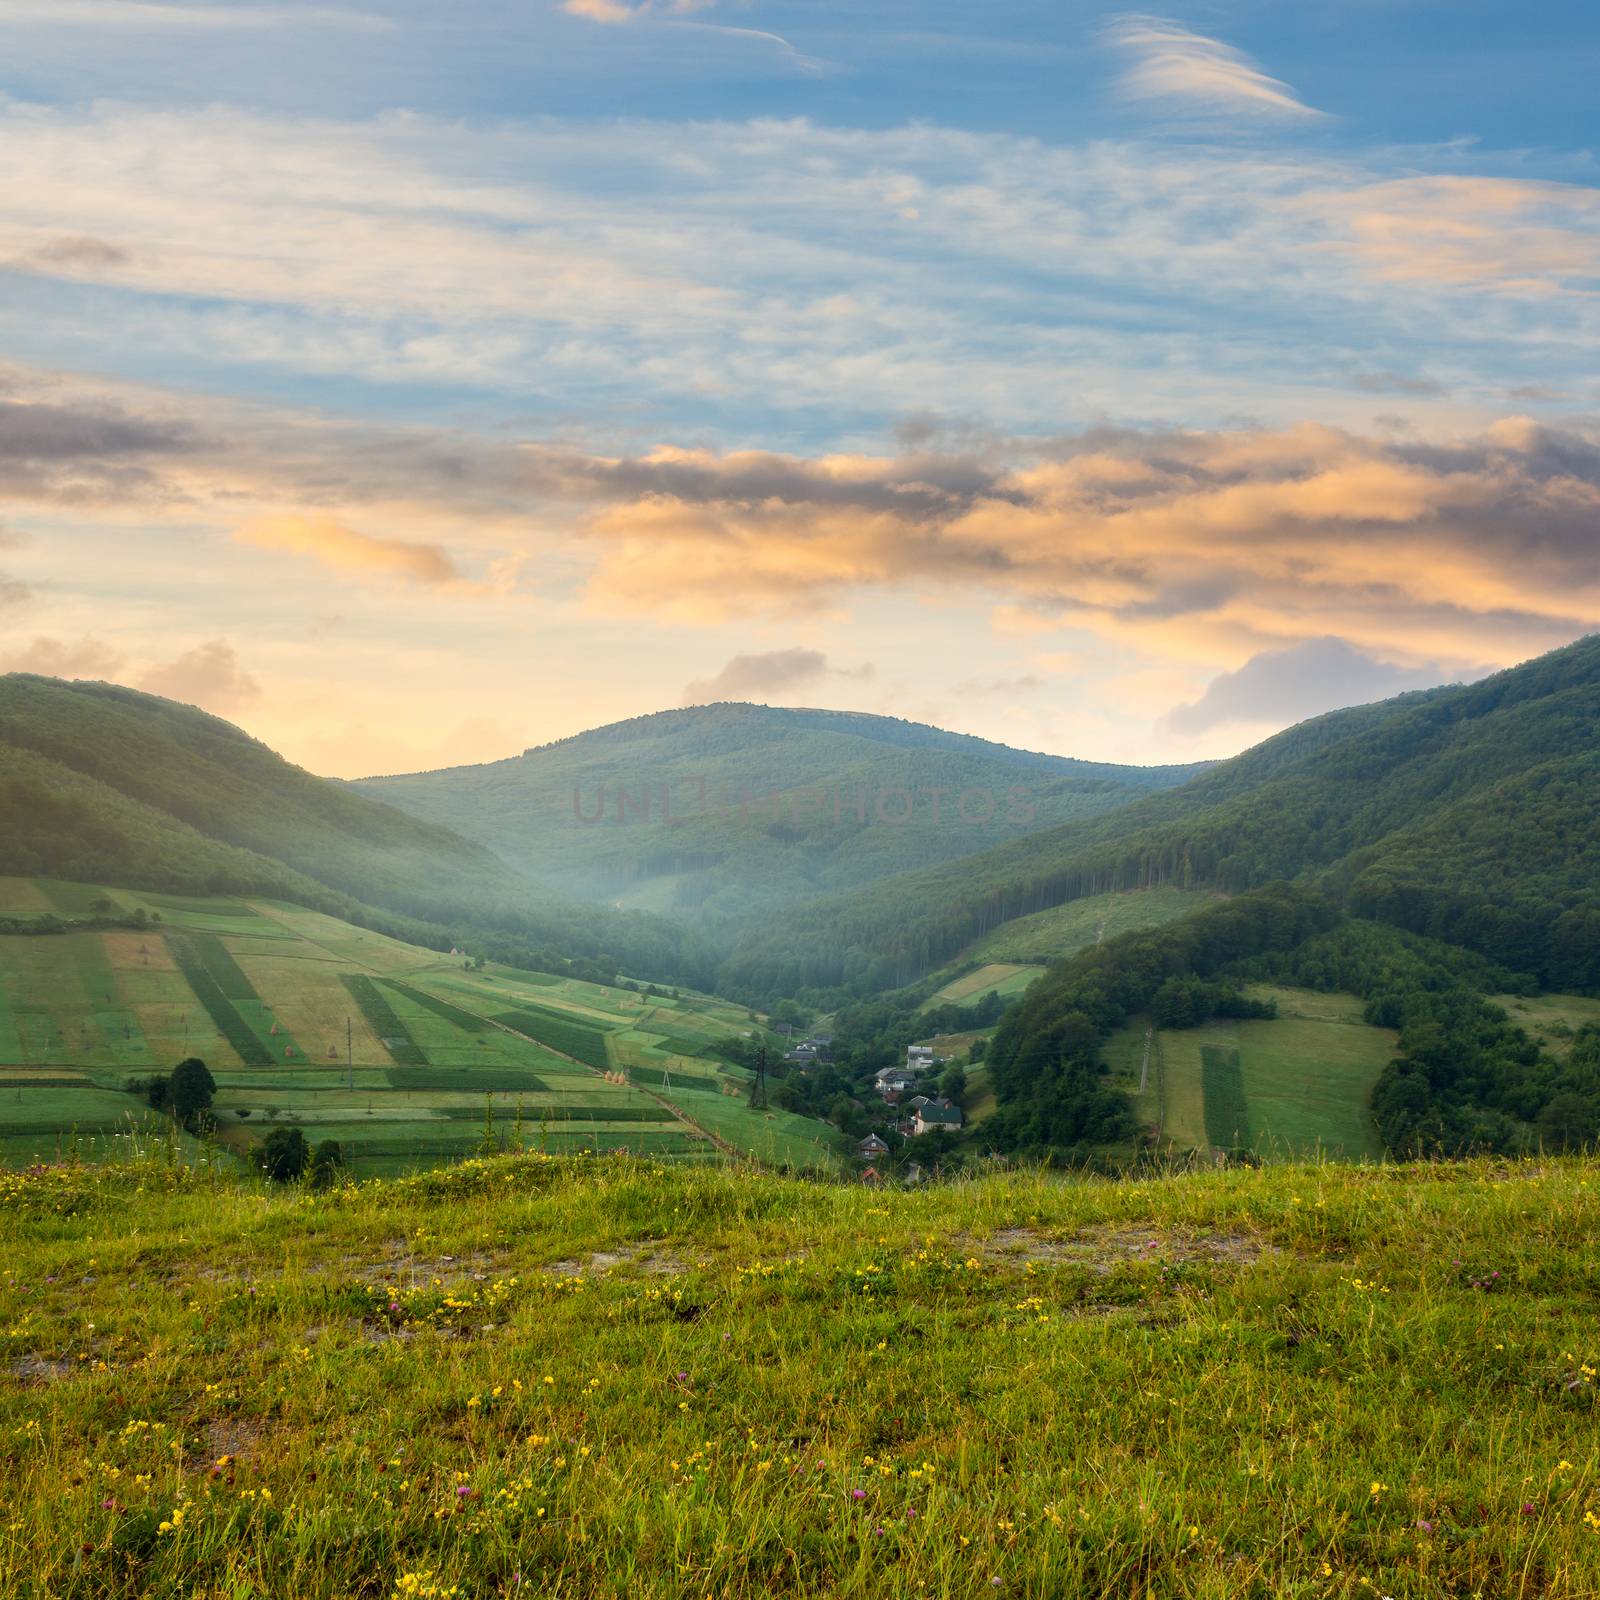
[412,384]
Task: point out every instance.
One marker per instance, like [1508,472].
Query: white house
[936,1117]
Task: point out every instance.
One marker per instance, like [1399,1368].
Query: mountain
[1464,813]
[722,813]
[102,784]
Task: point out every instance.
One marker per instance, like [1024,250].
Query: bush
[284,1155]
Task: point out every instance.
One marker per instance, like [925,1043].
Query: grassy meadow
[1006,979]
[609,1377]
[405,1056]
[1065,929]
[1294,1086]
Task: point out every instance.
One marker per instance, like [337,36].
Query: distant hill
[1467,814]
[103,784]
[724,812]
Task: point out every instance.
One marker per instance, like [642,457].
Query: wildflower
[858,1494]
[1378,1490]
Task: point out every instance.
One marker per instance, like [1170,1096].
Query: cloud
[777,672]
[1205,546]
[326,539]
[54,658]
[1384,382]
[208,676]
[13,593]
[1511,235]
[719,269]
[85,451]
[1279,687]
[1172,66]
[618,11]
[1195,543]
[71,253]
[151,15]
[1023,683]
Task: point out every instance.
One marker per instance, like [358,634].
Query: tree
[284,1155]
[953,1083]
[1569,1122]
[190,1090]
[327,1163]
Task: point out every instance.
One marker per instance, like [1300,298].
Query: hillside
[598,1378]
[723,812]
[102,784]
[404,1056]
[1468,814]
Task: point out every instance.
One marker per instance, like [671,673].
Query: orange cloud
[1198,545]
[336,545]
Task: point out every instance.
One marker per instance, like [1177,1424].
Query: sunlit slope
[100,784]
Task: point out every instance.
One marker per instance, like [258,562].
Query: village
[905,1108]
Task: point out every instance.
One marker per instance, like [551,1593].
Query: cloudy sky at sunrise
[411,383]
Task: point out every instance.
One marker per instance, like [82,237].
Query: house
[894,1080]
[919,1055]
[872,1175]
[870,1148]
[937,1117]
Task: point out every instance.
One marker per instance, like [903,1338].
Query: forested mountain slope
[1467,813]
[723,811]
[105,784]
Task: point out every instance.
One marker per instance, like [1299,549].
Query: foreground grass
[577,1377]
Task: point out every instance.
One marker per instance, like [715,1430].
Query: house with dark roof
[870,1148]
[936,1117]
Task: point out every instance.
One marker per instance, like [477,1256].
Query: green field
[1295,1085]
[1065,929]
[1551,1018]
[1005,979]
[400,1053]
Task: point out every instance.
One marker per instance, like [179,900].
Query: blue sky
[1124,384]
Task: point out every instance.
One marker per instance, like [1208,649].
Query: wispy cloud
[335,544]
[786,266]
[153,15]
[208,676]
[1181,70]
[55,658]
[618,11]
[1303,680]
[812,65]
[773,672]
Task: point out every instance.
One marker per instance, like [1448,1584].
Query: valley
[403,1057]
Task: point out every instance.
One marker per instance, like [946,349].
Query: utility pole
[349,1054]
[758,1087]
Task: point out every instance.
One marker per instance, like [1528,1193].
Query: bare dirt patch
[41,1369]
[1107,1247]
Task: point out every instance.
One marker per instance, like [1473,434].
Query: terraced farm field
[403,1055]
